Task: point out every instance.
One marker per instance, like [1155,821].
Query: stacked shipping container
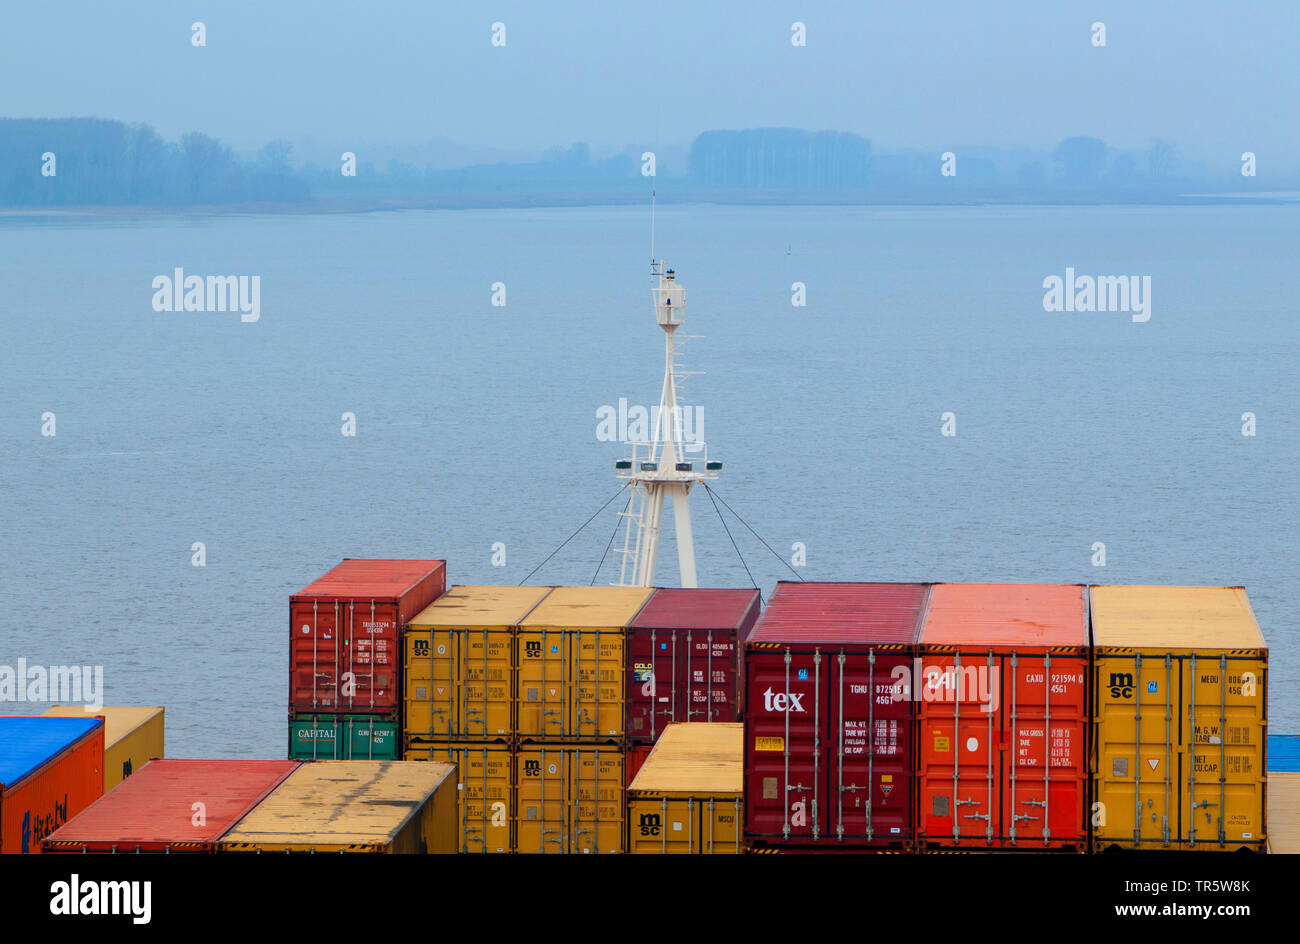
[50,769]
[1002,717]
[829,716]
[688,797]
[345,655]
[1180,683]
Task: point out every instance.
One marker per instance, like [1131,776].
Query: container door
[596,684]
[314,737]
[543,656]
[720,826]
[545,794]
[314,655]
[430,692]
[1044,794]
[1138,731]
[871,751]
[367,737]
[658,826]
[484,659]
[786,746]
[708,677]
[1222,806]
[370,656]
[598,806]
[960,749]
[485,797]
[652,679]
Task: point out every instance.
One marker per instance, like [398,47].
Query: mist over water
[477,424]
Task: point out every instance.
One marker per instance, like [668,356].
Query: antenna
[652,225]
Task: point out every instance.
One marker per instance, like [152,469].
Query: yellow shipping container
[571,670]
[569,798]
[354,806]
[485,783]
[459,665]
[1180,693]
[689,794]
[133,736]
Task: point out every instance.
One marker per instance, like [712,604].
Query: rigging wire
[712,493]
[752,581]
[575,533]
[613,534]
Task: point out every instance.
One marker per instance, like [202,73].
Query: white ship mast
[659,467]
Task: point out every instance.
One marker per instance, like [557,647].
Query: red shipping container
[634,759]
[157,808]
[50,769]
[345,648]
[1003,691]
[829,716]
[683,658]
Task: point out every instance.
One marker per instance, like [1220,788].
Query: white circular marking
[972,744]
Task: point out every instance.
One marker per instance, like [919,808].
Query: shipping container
[50,770]
[459,670]
[133,736]
[485,780]
[1284,813]
[359,806]
[570,798]
[688,796]
[634,756]
[343,737]
[1284,753]
[345,633]
[829,715]
[171,806]
[683,658]
[571,664]
[1002,717]
[1180,685]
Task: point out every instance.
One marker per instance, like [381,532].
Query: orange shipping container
[50,770]
[1002,689]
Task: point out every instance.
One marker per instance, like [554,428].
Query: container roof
[588,607]
[691,608]
[1172,618]
[1284,753]
[341,803]
[1005,614]
[154,806]
[842,613]
[119,720]
[480,606]
[375,579]
[26,742]
[696,759]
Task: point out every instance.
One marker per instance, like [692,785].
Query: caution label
[769,744]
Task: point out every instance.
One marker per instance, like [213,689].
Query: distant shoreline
[378,203]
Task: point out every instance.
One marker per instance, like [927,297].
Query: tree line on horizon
[92,161]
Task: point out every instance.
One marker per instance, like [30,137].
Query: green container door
[343,737]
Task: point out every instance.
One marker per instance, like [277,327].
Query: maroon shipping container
[829,715]
[346,628]
[683,658]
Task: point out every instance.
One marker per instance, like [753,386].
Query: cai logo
[650,824]
[532,768]
[1121,685]
[532,648]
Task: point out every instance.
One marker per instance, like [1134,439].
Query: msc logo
[421,647]
[783,701]
[532,648]
[126,768]
[650,824]
[1121,685]
[532,768]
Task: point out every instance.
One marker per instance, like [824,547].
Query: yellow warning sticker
[769,744]
[941,744]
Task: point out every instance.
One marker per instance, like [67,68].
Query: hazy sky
[1217,78]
